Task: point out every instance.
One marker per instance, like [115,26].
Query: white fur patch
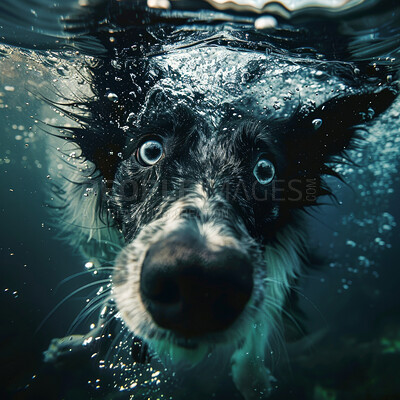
[79,199]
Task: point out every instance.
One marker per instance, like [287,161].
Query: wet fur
[105,218]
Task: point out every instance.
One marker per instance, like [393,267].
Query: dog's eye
[264,171]
[150,152]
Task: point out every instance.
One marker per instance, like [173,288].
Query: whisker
[108,243]
[126,333]
[71,277]
[92,306]
[297,290]
[113,345]
[287,314]
[67,298]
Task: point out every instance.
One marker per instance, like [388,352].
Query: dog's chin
[186,343]
[177,350]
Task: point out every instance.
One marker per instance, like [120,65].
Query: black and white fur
[202,197]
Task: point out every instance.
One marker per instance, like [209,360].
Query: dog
[190,164]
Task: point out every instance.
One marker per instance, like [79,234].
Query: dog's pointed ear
[318,136]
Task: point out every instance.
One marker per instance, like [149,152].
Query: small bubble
[112,97]
[317,123]
[363,261]
[131,117]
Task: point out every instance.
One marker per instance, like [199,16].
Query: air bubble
[317,123]
[364,262]
[112,97]
[89,265]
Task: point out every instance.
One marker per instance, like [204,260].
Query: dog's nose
[191,290]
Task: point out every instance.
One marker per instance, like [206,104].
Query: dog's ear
[315,139]
[317,136]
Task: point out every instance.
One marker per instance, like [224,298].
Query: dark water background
[359,357]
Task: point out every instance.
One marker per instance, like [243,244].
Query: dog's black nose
[189,289]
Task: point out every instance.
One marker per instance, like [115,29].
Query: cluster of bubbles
[368,229]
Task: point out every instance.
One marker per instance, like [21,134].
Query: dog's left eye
[150,152]
[264,171]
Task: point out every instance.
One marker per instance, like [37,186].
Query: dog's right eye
[150,152]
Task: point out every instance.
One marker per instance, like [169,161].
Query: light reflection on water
[287,8]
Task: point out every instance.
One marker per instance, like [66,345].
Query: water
[351,304]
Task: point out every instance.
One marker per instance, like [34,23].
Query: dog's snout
[192,290]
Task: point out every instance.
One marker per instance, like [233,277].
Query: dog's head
[208,190]
[211,213]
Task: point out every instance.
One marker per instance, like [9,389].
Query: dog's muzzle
[191,289]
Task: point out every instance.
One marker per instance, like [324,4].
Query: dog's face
[210,208]
[193,202]
[210,153]
[211,158]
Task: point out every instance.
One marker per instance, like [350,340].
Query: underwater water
[351,303]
